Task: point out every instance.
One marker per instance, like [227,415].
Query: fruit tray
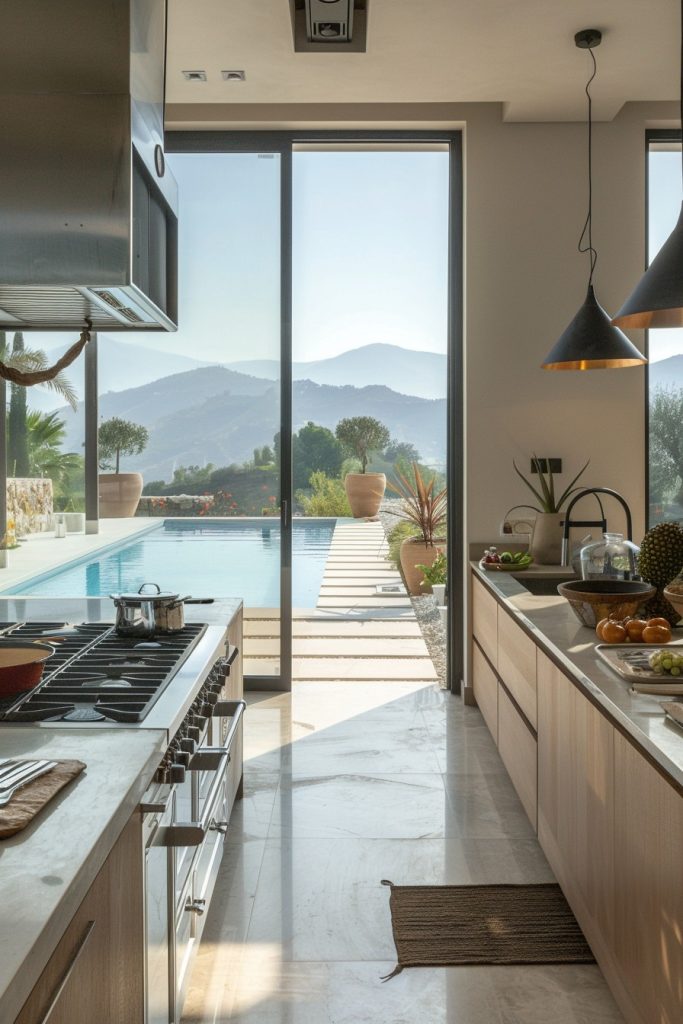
[631,662]
[503,566]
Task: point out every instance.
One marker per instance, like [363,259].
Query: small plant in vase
[425,508]
[546,541]
[434,577]
[359,437]
[120,492]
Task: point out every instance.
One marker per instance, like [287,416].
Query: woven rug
[447,925]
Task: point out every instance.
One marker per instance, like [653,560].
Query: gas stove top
[95,676]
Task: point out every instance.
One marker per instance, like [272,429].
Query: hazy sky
[665,206]
[370,255]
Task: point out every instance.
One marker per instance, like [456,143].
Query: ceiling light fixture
[194,76]
[591,342]
[657,299]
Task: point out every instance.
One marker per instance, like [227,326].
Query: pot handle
[140,591]
[177,603]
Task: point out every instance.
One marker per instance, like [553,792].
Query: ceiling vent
[234,76]
[332,26]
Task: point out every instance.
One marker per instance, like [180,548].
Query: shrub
[119,437]
[396,536]
[327,498]
[360,436]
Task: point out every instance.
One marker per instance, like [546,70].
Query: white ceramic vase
[546,541]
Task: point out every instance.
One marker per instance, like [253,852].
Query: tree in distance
[117,437]
[315,450]
[360,436]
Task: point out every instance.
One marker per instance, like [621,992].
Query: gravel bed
[426,608]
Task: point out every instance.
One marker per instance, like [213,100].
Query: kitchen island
[599,771]
[72,883]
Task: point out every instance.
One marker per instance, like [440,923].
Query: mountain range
[215,414]
[667,373]
[406,371]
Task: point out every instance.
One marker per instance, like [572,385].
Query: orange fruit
[659,621]
[614,632]
[657,634]
[634,628]
[600,626]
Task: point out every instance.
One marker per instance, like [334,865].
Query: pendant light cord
[681,97]
[587,232]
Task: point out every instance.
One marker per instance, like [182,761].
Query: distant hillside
[120,366]
[667,372]
[403,370]
[216,415]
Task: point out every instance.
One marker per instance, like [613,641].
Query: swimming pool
[211,558]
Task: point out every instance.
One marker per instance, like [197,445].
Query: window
[665,372]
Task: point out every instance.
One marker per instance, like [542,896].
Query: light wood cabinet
[485,685]
[517,746]
[575,799]
[96,972]
[517,664]
[649,886]
[485,621]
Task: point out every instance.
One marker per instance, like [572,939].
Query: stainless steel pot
[169,611]
[134,615]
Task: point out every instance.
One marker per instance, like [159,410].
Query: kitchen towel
[30,799]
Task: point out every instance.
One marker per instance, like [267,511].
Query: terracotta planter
[546,540]
[119,495]
[365,492]
[415,552]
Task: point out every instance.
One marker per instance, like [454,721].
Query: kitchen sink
[543,586]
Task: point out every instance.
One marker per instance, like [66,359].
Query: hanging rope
[27,378]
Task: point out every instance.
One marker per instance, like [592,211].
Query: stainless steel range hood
[88,209]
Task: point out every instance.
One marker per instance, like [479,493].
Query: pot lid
[147,592]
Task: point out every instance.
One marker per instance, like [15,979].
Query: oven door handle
[193,833]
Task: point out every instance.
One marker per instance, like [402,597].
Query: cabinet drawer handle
[87,932]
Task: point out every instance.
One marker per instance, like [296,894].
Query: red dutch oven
[21,666]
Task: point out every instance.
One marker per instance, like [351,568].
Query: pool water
[214,558]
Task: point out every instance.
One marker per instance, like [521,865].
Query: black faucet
[602,523]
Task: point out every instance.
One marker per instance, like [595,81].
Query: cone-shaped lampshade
[657,299]
[590,342]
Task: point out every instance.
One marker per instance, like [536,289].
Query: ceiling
[519,53]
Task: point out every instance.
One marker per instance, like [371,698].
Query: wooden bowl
[593,600]
[674,595]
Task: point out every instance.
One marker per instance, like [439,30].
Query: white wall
[526,199]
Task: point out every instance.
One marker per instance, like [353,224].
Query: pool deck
[356,632]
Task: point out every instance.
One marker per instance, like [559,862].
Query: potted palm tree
[120,492]
[425,508]
[546,541]
[359,437]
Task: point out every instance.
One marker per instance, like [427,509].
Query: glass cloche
[611,558]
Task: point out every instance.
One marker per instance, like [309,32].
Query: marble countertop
[555,629]
[46,870]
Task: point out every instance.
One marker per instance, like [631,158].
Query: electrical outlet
[555,465]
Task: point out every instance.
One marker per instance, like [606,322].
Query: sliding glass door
[257,209]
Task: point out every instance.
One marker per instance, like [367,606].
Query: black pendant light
[657,299]
[591,342]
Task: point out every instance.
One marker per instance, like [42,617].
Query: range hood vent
[332,26]
[88,209]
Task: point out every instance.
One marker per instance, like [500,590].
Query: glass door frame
[283,143]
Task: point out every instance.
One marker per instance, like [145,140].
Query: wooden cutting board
[30,800]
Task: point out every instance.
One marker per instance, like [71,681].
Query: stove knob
[207,710]
[183,757]
[211,698]
[199,720]
[194,733]
[177,773]
[188,745]
[217,686]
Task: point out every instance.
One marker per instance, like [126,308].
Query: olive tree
[117,437]
[360,436]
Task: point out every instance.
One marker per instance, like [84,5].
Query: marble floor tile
[353,993]
[485,807]
[346,784]
[371,806]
